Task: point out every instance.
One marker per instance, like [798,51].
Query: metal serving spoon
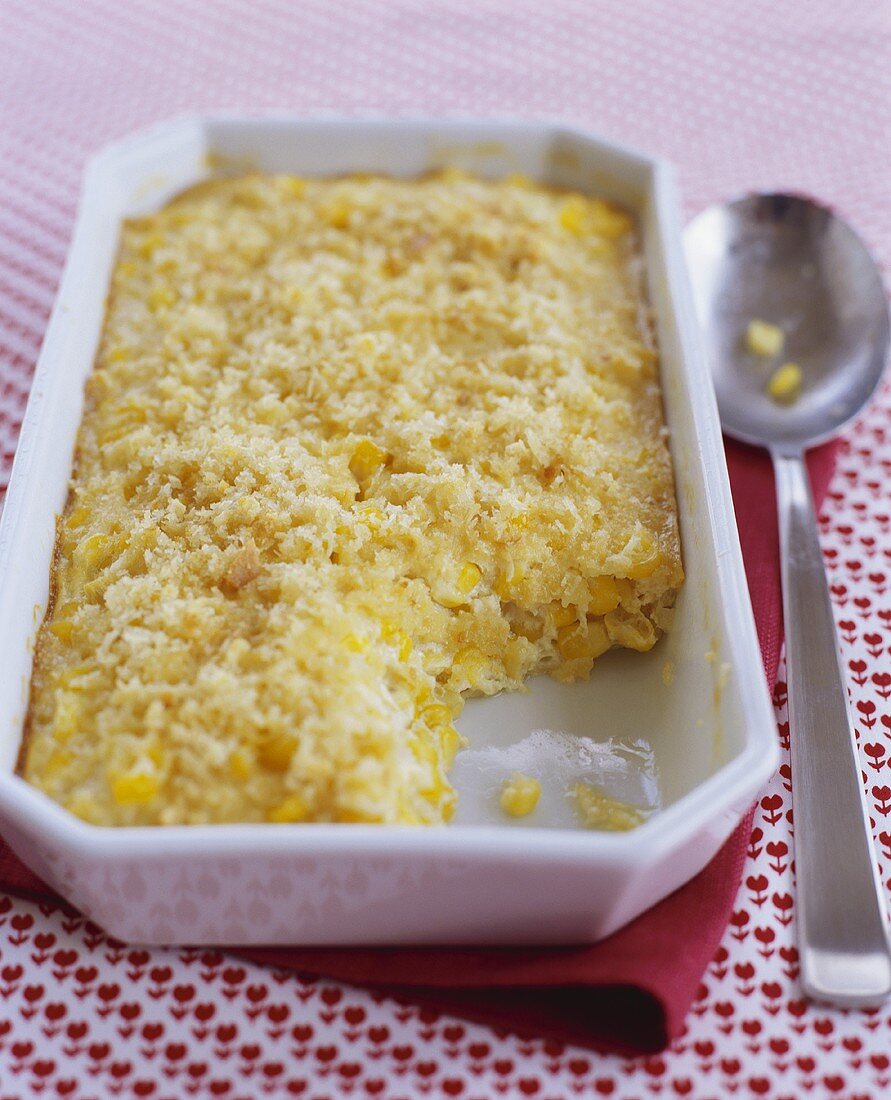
[789,261]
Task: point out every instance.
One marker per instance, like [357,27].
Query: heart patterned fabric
[740,97]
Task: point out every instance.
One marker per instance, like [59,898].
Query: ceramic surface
[697,705]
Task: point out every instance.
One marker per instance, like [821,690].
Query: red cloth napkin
[632,991]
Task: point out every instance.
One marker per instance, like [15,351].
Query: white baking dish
[709,728]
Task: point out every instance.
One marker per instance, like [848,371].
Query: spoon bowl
[787,260]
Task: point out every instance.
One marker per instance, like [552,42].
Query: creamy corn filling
[352,450]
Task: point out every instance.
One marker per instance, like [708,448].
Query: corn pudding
[352,450]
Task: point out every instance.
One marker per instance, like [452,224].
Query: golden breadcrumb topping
[352,450]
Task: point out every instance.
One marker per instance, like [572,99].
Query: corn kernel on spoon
[795,318]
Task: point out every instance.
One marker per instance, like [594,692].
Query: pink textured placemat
[740,96]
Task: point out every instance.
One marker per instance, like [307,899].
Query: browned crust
[54,562]
[41,633]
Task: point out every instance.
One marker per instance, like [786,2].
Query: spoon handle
[842,926]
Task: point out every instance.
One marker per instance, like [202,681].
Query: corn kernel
[520,795]
[63,629]
[646,557]
[422,695]
[367,459]
[391,633]
[573,215]
[608,220]
[472,664]
[604,595]
[598,811]
[336,213]
[134,789]
[434,792]
[564,616]
[785,385]
[437,714]
[763,338]
[450,741]
[239,765]
[276,753]
[637,633]
[292,809]
[150,244]
[370,515]
[77,517]
[506,584]
[93,552]
[469,576]
[117,354]
[594,216]
[575,643]
[515,659]
[425,751]
[570,643]
[295,186]
[355,643]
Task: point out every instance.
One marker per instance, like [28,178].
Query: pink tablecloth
[739,96]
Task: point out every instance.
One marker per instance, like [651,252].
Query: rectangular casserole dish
[697,704]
